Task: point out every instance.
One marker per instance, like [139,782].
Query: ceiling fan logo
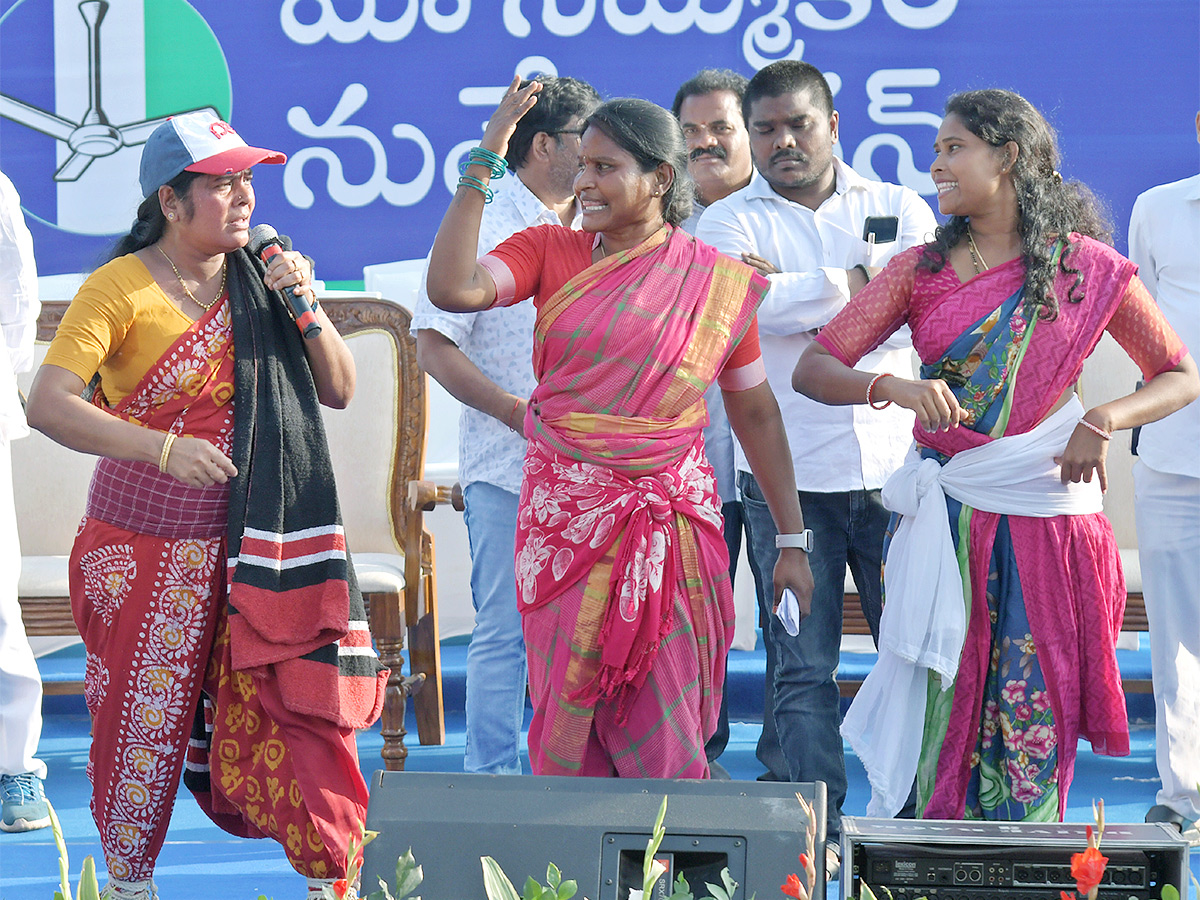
[120,69]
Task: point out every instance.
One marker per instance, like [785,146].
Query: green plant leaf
[731,886]
[88,888]
[683,890]
[553,877]
[382,894]
[533,890]
[865,892]
[1170,892]
[64,864]
[408,876]
[725,890]
[650,869]
[495,883]
[567,890]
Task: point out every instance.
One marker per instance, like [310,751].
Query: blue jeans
[847,528]
[497,672]
[731,512]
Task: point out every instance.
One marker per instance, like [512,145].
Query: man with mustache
[819,231]
[709,109]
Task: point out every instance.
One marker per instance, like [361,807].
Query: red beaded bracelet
[871,386]
[1096,429]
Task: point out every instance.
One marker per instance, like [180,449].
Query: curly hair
[1047,206]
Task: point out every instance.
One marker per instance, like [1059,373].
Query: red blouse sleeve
[516,264]
[1143,332]
[874,313]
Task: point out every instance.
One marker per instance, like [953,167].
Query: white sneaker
[24,803]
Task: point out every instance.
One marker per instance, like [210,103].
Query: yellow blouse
[119,324]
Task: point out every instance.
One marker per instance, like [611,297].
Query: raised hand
[516,102]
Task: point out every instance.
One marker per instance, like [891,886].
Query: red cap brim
[237,159]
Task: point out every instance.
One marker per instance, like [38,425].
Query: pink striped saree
[621,565]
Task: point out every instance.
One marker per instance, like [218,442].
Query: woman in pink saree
[621,565]
[1001,636]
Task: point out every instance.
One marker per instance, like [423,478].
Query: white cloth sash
[924,619]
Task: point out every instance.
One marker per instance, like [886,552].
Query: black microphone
[266,243]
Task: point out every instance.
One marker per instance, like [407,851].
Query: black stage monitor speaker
[972,860]
[594,829]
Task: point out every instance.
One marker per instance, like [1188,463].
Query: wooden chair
[378,447]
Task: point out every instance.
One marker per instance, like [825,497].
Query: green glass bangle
[472,182]
[495,163]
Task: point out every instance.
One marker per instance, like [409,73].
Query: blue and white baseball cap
[197,142]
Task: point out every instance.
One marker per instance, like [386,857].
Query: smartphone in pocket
[881,229]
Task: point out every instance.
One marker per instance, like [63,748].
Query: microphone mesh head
[260,236]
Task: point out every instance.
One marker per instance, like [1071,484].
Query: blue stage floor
[200,861]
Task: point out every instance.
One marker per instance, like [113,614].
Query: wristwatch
[802,541]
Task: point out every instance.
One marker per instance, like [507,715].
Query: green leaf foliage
[495,882]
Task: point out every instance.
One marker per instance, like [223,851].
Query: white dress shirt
[498,341]
[834,448]
[718,436]
[1164,241]
[19,308]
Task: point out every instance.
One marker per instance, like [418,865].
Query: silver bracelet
[802,541]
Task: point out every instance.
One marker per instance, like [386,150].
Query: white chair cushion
[379,573]
[43,576]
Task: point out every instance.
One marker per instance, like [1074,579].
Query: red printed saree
[149,590]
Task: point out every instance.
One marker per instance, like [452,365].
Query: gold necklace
[204,306]
[977,259]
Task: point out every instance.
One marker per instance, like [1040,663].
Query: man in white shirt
[21,773]
[484,359]
[709,108]
[1164,241]
[818,230]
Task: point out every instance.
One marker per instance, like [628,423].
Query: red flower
[340,887]
[1087,868]
[1063,895]
[793,888]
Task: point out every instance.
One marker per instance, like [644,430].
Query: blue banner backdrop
[374,101]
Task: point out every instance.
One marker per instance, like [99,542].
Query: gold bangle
[166,451]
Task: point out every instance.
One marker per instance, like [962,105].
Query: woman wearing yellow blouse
[218,608]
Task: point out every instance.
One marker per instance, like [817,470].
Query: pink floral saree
[621,565]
